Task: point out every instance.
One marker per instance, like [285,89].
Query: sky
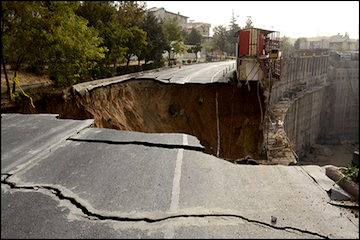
[291,19]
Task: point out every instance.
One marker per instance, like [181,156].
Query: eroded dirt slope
[152,106]
[157,107]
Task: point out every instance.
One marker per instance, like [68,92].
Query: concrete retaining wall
[341,109]
[302,122]
[300,71]
[324,100]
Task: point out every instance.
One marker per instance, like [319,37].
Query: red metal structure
[258,47]
[244,37]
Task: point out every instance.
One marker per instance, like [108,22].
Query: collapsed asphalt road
[197,100]
[96,183]
[196,73]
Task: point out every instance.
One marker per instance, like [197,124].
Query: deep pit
[201,110]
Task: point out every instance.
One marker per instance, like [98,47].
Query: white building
[162,14]
[203,28]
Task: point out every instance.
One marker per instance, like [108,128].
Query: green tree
[286,46]
[135,43]
[220,38]
[102,15]
[98,13]
[178,47]
[21,27]
[130,13]
[173,36]
[50,33]
[232,35]
[119,24]
[155,39]
[74,46]
[193,38]
[298,41]
[195,49]
[249,23]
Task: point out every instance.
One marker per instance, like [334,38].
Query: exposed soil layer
[156,107]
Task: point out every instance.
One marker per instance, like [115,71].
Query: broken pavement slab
[282,191]
[133,186]
[319,176]
[338,194]
[24,136]
[37,215]
[221,189]
[19,209]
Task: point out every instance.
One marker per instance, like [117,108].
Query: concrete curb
[349,186]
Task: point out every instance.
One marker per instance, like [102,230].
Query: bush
[122,70]
[99,72]
[351,172]
[35,68]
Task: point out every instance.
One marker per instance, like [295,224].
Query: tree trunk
[6,77]
[169,57]
[15,74]
[138,61]
[127,61]
[18,62]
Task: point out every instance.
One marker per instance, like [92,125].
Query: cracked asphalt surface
[196,73]
[84,182]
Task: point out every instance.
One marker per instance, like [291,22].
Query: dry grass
[25,79]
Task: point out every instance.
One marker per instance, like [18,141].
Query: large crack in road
[224,117]
[100,217]
[141,143]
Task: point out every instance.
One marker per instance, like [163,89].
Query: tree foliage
[220,38]
[178,47]
[225,39]
[249,23]
[298,41]
[135,43]
[193,38]
[174,37]
[155,38]
[102,15]
[49,33]
[75,41]
[74,46]
[232,35]
[286,46]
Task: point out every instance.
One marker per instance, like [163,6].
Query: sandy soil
[25,79]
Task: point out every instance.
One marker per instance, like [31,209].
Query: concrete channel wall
[341,109]
[300,71]
[303,120]
[323,99]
